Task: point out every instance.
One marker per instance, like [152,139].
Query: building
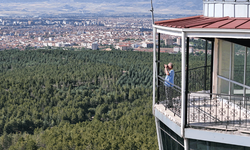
[40,38]
[51,39]
[178,41]
[191,49]
[123,47]
[59,44]
[211,103]
[168,41]
[95,46]
[30,23]
[177,49]
[135,45]
[147,44]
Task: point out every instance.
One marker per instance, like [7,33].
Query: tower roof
[207,22]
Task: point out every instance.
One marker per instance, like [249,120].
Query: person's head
[170,65]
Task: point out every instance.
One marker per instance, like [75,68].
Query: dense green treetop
[58,99]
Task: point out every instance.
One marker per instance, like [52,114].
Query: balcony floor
[212,114]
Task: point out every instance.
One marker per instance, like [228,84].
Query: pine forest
[79,99]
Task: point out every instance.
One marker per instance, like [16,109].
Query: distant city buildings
[96,34]
[147,45]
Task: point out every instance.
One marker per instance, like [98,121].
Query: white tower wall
[223,8]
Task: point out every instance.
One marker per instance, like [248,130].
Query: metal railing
[220,110]
[205,108]
[196,77]
[169,96]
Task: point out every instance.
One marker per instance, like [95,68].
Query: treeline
[56,99]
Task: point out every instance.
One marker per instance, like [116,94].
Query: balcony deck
[214,113]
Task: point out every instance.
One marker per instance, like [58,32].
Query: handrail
[195,68]
[169,96]
[220,109]
[199,85]
[169,82]
[205,108]
[222,94]
[234,82]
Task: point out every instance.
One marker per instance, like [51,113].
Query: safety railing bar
[218,94]
[163,80]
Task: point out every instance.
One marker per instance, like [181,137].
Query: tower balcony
[205,110]
[206,105]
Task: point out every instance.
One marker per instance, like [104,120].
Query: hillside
[57,99]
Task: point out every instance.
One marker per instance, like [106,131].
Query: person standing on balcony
[169,81]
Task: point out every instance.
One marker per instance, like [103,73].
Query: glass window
[238,63]
[240,10]
[168,142]
[228,9]
[223,86]
[218,10]
[237,55]
[201,145]
[224,58]
[237,90]
[248,67]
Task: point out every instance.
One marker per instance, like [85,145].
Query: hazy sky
[36,7]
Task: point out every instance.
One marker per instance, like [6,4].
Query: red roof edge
[206,22]
[178,19]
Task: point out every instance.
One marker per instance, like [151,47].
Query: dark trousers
[169,95]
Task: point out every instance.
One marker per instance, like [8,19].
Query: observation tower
[211,102]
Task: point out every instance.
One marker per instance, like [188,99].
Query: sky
[38,7]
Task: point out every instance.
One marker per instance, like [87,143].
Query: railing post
[183,86]
[154,67]
[212,67]
[158,66]
[245,75]
[205,68]
[187,74]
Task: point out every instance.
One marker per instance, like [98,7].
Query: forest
[78,99]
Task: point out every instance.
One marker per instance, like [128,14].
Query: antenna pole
[152,11]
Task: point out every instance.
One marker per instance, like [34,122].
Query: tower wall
[223,8]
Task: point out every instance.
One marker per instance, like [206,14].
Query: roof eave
[204,32]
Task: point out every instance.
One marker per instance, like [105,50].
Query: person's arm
[166,70]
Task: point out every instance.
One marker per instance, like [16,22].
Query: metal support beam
[230,68]
[158,130]
[154,84]
[212,68]
[186,144]
[187,71]
[205,68]
[183,86]
[158,66]
[154,67]
[245,75]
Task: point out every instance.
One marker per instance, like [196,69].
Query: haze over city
[106,7]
